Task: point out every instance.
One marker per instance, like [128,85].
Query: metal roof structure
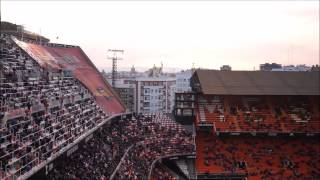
[257,82]
[66,57]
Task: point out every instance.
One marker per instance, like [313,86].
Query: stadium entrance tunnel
[170,163]
[173,166]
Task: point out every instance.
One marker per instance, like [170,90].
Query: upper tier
[56,57]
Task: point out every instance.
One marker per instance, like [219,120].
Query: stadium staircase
[183,167]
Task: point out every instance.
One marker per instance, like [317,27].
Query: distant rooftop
[161,78]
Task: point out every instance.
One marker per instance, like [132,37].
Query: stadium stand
[265,125]
[294,114]
[141,137]
[56,57]
[41,111]
[53,98]
[165,121]
[287,102]
[259,157]
[160,140]
[100,156]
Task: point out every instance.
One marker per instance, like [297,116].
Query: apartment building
[154,94]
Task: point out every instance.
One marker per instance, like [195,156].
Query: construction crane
[114,55]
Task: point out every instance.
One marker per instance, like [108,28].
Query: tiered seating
[41,112]
[260,113]
[72,60]
[40,135]
[138,162]
[165,121]
[259,157]
[253,114]
[142,137]
[213,111]
[300,115]
[29,94]
[102,153]
[14,64]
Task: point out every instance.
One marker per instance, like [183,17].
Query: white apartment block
[154,94]
[299,67]
[153,91]
[183,81]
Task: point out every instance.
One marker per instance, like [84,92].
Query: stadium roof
[58,56]
[258,82]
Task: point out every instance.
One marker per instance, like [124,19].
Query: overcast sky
[242,34]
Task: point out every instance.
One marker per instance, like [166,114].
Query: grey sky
[242,34]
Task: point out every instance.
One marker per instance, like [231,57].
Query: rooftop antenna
[292,54]
[21,28]
[114,55]
[40,36]
[193,68]
[289,54]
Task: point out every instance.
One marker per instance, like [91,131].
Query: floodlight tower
[114,55]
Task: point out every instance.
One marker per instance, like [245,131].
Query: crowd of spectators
[259,157]
[144,141]
[44,111]
[300,114]
[41,112]
[15,65]
[99,157]
[260,113]
[164,142]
